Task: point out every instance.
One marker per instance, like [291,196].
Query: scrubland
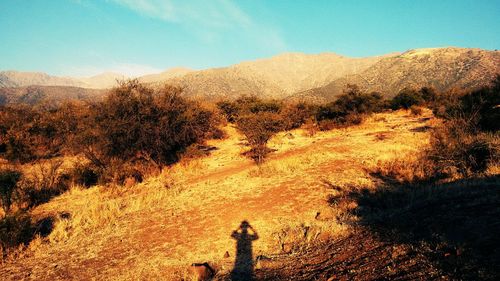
[360,192]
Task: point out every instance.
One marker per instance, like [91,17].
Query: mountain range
[290,75]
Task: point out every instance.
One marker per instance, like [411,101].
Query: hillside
[156,229]
[21,79]
[166,75]
[441,68]
[300,76]
[51,94]
[276,77]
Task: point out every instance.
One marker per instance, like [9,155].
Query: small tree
[258,129]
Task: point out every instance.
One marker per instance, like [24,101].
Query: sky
[136,37]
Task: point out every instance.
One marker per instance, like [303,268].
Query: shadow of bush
[20,229]
[455,225]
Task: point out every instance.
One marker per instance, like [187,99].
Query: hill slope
[441,68]
[276,77]
[303,76]
[150,232]
[51,94]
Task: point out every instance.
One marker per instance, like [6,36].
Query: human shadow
[243,264]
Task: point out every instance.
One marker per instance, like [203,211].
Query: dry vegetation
[163,182]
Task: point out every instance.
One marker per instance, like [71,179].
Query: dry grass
[155,229]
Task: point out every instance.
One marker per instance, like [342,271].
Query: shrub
[15,229]
[246,105]
[85,174]
[139,123]
[118,170]
[429,94]
[29,133]
[295,115]
[353,100]
[265,106]
[416,110]
[456,147]
[483,105]
[230,110]
[258,129]
[46,181]
[8,182]
[349,108]
[406,98]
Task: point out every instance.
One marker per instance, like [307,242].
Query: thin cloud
[208,19]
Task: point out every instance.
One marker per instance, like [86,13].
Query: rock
[201,271]
[262,262]
[324,214]
[287,247]
[129,182]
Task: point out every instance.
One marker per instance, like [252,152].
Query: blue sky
[86,37]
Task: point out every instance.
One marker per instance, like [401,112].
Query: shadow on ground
[456,225]
[408,232]
[20,229]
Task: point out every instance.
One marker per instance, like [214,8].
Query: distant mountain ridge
[24,79]
[441,68]
[305,76]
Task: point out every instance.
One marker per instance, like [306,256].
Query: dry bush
[415,168]
[230,110]
[416,110]
[310,127]
[455,148]
[295,115]
[349,109]
[15,230]
[258,129]
[45,181]
[407,98]
[30,133]
[84,174]
[341,122]
[8,182]
[136,125]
